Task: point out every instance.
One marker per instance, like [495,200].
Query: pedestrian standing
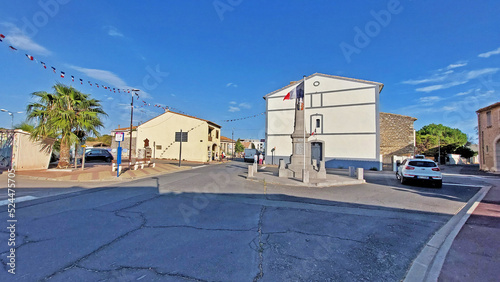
[261,158]
[255,158]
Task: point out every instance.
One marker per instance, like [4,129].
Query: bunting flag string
[103,87]
[236,119]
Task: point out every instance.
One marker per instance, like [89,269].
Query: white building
[343,113]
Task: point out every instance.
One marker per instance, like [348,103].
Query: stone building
[397,137]
[488,119]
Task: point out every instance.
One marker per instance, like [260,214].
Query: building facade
[227,145]
[397,138]
[125,144]
[20,152]
[159,135]
[488,119]
[343,113]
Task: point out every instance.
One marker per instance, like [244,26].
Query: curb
[428,264]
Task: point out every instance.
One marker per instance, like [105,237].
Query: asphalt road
[210,223]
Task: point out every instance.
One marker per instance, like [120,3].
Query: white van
[249,153]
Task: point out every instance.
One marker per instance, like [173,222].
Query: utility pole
[232,142]
[134,91]
[439,150]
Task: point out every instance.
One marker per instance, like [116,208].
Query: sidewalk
[475,252]
[100,172]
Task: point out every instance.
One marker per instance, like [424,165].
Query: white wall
[349,118]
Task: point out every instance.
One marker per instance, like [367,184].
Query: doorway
[317,151]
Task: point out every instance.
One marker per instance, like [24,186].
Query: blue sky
[439,61]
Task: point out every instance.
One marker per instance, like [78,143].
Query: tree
[435,135]
[465,152]
[25,127]
[66,114]
[106,139]
[238,147]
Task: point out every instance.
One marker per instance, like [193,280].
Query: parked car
[422,170]
[98,155]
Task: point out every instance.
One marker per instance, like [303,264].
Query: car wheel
[397,176]
[108,159]
[438,184]
[403,179]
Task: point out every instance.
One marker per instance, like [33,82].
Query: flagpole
[304,115]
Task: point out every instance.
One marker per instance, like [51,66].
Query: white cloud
[231,84]
[430,100]
[173,95]
[112,31]
[435,78]
[102,75]
[490,53]
[464,93]
[245,105]
[440,86]
[233,109]
[476,73]
[456,65]
[233,103]
[16,37]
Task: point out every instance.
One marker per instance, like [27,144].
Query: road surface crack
[117,239]
[260,247]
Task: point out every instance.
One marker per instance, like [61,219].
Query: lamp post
[11,114]
[134,91]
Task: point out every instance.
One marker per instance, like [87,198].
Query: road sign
[119,136]
[178,137]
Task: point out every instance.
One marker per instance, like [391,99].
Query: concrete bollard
[281,164]
[255,167]
[359,173]
[352,171]
[250,171]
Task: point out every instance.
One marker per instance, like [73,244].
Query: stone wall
[396,137]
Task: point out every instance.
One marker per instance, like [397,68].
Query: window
[217,134]
[158,147]
[488,119]
[318,122]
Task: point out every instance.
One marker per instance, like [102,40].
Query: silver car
[422,170]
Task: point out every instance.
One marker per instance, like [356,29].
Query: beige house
[488,119]
[226,145]
[19,152]
[159,134]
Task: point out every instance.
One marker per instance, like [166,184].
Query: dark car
[98,155]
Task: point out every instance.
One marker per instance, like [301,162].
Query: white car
[420,170]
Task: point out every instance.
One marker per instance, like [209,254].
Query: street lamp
[134,91]
[11,114]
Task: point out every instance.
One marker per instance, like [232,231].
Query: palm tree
[67,114]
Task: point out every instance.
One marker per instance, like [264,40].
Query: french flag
[43,64]
[54,69]
[62,74]
[297,92]
[72,78]
[29,57]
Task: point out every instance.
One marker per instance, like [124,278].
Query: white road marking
[457,184]
[18,200]
[195,167]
